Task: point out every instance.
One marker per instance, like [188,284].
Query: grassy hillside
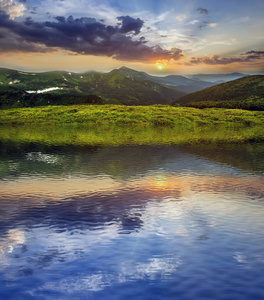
[113,88]
[245,92]
[117,124]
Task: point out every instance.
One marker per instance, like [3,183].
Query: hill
[177,82]
[111,87]
[246,92]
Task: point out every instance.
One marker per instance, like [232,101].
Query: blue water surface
[135,222]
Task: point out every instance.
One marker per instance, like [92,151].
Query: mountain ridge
[112,88]
[237,93]
[120,86]
[177,82]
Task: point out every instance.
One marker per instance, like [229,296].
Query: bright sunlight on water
[137,222]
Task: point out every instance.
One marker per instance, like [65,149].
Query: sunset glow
[190,37]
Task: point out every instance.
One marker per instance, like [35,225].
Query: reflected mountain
[127,161]
[246,157]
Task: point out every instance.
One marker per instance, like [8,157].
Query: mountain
[176,82]
[111,87]
[240,93]
[121,86]
[121,89]
[217,78]
[13,97]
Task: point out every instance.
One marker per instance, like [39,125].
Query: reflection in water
[140,222]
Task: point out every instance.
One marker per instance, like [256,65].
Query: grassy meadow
[124,125]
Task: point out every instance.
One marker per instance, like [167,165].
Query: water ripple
[140,222]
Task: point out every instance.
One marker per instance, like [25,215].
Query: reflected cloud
[42,157]
[13,238]
[155,220]
[240,258]
[154,268]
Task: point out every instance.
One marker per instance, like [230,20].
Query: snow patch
[15,81]
[69,73]
[65,78]
[45,90]
[26,73]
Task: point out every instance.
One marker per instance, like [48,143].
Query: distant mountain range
[177,82]
[121,86]
[217,78]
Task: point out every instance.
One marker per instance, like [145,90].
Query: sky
[156,36]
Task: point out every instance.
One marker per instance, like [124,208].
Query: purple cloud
[84,36]
[129,24]
[217,60]
[203,11]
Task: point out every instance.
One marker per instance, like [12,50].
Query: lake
[131,222]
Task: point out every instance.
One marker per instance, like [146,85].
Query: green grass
[254,104]
[119,125]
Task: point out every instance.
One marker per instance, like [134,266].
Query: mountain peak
[125,68]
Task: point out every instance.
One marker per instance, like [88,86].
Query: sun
[160,67]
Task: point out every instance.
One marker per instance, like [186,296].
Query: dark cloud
[204,24]
[251,55]
[217,60]
[203,11]
[129,24]
[213,60]
[84,36]
[205,19]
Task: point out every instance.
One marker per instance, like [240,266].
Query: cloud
[212,25]
[207,24]
[149,54]
[217,60]
[203,11]
[213,60]
[241,20]
[192,22]
[11,8]
[251,55]
[181,17]
[129,24]
[84,36]
[78,8]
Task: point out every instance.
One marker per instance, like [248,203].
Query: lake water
[135,222]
